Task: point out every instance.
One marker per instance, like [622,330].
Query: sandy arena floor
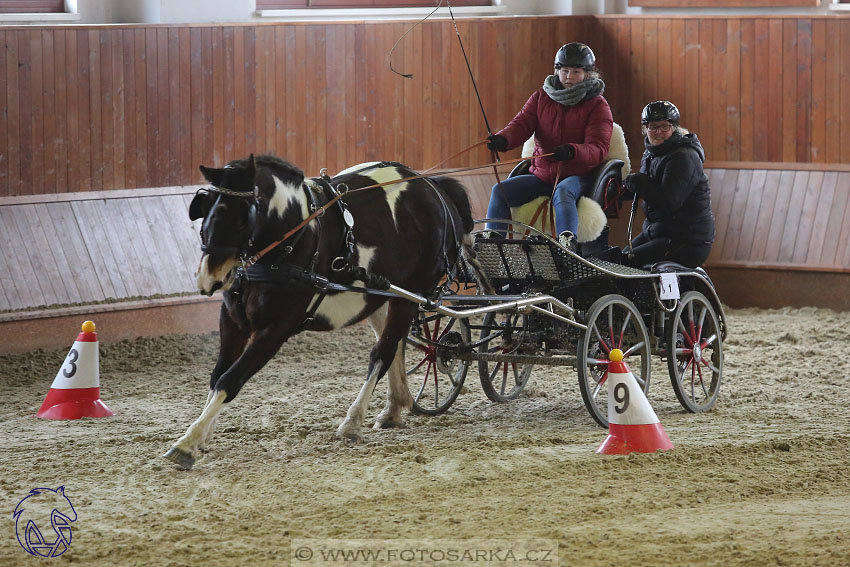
[761,480]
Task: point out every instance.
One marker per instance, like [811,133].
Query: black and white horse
[409,233]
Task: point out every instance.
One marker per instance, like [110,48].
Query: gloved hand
[496,142]
[564,153]
[635,184]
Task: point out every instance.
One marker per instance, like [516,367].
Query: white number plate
[669,286]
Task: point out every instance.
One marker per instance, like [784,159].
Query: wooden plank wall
[93,247]
[92,108]
[783,217]
[84,248]
[768,215]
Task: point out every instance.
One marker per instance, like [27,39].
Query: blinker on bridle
[252,195]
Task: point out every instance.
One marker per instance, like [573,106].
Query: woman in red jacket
[568,117]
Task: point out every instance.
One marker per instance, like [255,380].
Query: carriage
[288,252]
[554,307]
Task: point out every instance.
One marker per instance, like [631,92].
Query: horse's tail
[471,258]
[457,193]
[455,190]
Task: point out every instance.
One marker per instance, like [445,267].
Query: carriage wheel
[612,322]
[504,333]
[434,373]
[693,335]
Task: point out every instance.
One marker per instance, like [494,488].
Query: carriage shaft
[513,306]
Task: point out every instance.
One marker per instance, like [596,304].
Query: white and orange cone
[75,392]
[633,426]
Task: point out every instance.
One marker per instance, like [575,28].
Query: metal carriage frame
[556,308]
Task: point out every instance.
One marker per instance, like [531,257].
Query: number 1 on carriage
[669,286]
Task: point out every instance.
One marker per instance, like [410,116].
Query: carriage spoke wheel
[506,334]
[612,322]
[434,373]
[693,336]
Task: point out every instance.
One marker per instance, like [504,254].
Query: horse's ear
[196,207]
[252,166]
[214,176]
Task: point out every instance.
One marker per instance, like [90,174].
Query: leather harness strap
[321,210]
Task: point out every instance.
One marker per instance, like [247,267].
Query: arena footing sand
[760,480]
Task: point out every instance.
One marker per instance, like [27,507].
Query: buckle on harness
[339,264]
[321,282]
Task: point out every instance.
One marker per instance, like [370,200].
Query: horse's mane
[280,167]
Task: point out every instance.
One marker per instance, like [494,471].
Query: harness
[320,195]
[281,272]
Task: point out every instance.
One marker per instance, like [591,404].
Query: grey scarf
[585,90]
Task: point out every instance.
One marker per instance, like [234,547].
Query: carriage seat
[596,204]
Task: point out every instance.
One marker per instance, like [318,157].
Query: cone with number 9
[75,392]
[633,426]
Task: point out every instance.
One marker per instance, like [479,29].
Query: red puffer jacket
[586,126]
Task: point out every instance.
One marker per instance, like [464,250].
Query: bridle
[244,247]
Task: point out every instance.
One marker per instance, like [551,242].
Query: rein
[321,209]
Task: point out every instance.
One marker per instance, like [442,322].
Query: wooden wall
[752,88]
[91,108]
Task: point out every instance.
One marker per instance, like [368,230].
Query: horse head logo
[37,506]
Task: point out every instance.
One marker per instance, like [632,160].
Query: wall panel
[88,108]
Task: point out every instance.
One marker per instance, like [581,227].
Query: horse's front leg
[261,347]
[233,341]
[390,324]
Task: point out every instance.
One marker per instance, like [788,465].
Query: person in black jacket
[679,224]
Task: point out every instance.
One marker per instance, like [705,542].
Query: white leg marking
[378,320]
[399,399]
[207,434]
[351,426]
[398,395]
[190,441]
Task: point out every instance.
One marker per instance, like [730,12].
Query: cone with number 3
[633,426]
[75,392]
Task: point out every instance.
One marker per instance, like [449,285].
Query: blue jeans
[516,191]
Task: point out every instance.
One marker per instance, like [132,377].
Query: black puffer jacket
[675,190]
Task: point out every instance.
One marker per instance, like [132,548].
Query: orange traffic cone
[632,423]
[75,392]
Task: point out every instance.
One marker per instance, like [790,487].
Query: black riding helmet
[658,111]
[575,55]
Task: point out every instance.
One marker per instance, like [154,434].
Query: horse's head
[238,214]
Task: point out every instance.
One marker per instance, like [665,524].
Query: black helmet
[575,55]
[658,111]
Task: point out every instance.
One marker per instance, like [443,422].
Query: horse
[282,271]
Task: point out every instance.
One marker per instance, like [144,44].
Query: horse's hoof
[388,424]
[183,459]
[350,437]
[354,439]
